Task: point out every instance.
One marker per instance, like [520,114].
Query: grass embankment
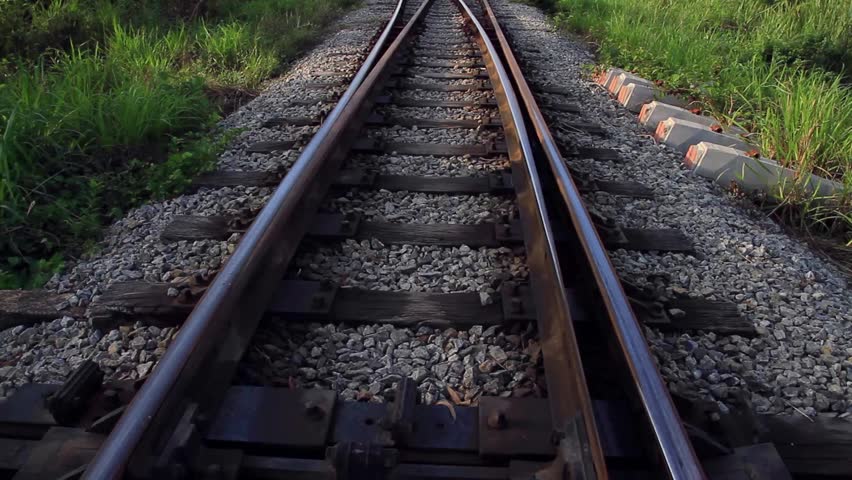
[779,68]
[107,103]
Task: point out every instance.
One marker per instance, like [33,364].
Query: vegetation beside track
[107,103]
[779,68]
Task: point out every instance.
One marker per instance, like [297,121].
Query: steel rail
[580,451]
[672,441]
[214,336]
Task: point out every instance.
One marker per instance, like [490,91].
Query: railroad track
[530,363]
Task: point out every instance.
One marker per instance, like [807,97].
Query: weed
[103,105]
[779,68]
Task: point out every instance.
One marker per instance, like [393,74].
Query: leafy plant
[104,105]
[778,68]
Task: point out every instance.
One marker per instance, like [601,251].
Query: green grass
[104,104]
[779,68]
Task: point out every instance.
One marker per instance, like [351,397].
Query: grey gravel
[48,352]
[424,208]
[367,362]
[799,303]
[373,265]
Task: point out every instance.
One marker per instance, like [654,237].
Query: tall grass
[779,68]
[104,104]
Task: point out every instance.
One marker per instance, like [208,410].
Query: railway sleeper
[413,102]
[333,226]
[371,145]
[385,120]
[441,76]
[413,84]
[399,437]
[496,184]
[442,64]
[308,300]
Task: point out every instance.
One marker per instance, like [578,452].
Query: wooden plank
[710,315]
[412,183]
[271,147]
[28,307]
[196,227]
[325,227]
[448,75]
[129,302]
[441,64]
[811,447]
[454,56]
[627,189]
[426,49]
[434,149]
[588,127]
[479,235]
[448,41]
[496,184]
[596,153]
[333,226]
[355,177]
[663,240]
[488,122]
[364,179]
[442,87]
[414,308]
[410,102]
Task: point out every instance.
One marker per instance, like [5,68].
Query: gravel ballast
[801,359]
[423,208]
[367,362]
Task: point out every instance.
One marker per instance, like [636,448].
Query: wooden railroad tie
[372,145]
[442,64]
[499,183]
[417,102]
[305,300]
[442,76]
[481,85]
[376,119]
[336,226]
[28,307]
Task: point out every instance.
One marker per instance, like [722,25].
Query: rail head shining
[569,400]
[673,442]
[251,259]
